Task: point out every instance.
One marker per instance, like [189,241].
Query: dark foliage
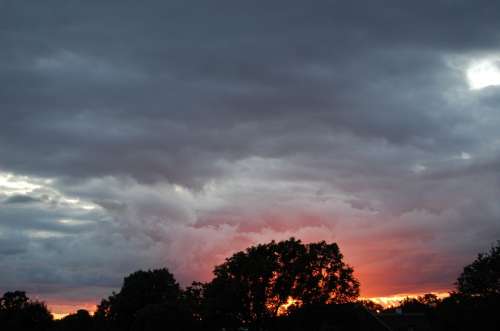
[371,306]
[252,286]
[319,317]
[476,303]
[18,312]
[421,305]
[462,312]
[174,317]
[145,294]
[251,289]
[79,321]
[482,277]
[417,313]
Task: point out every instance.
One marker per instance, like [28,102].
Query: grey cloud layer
[219,82]
[222,124]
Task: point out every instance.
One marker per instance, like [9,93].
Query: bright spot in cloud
[12,184]
[418,168]
[71,222]
[465,156]
[483,73]
[78,203]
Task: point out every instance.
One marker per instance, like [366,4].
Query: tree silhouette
[409,306]
[79,321]
[429,299]
[140,290]
[18,312]
[255,285]
[476,303]
[193,298]
[371,305]
[482,277]
[14,301]
[164,316]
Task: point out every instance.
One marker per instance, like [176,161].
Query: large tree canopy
[140,290]
[264,280]
[482,277]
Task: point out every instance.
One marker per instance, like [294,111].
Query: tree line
[286,285]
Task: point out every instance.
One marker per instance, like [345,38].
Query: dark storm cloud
[152,125]
[85,83]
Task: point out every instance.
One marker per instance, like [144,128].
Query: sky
[148,134]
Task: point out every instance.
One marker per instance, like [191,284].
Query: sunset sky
[147,134]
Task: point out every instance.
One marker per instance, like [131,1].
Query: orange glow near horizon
[393,300]
[377,283]
[57,316]
[60,310]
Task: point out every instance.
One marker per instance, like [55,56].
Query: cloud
[20,199]
[136,136]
